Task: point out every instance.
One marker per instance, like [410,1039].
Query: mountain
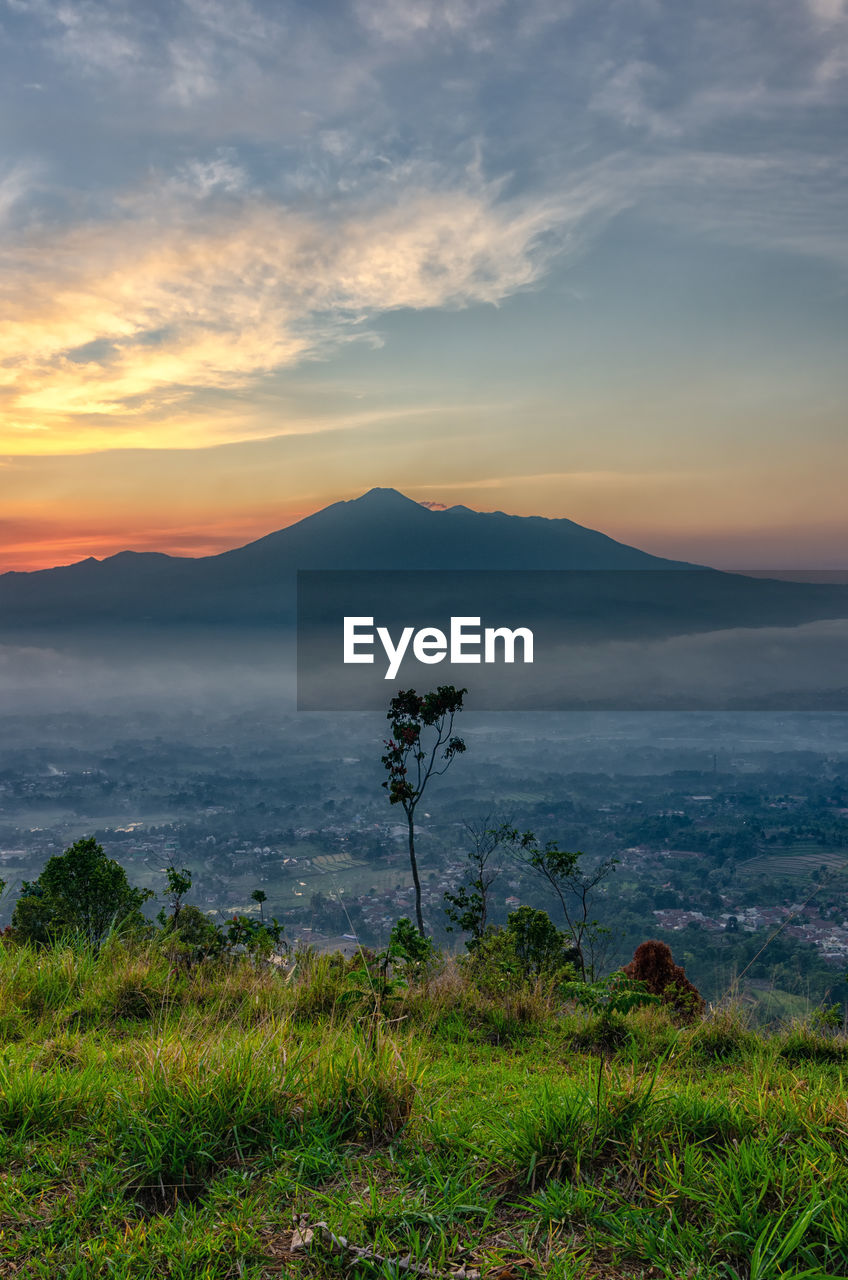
[384,530]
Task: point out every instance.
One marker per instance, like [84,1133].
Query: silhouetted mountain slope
[386,530]
[383,529]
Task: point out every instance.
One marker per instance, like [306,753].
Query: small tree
[179,883]
[191,936]
[468,908]
[79,891]
[539,945]
[260,896]
[575,889]
[421,747]
[256,938]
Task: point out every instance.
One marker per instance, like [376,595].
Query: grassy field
[168,1124]
[802,861]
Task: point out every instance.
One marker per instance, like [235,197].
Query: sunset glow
[517,257]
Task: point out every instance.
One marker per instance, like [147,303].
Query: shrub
[610,1000]
[80,892]
[602,1033]
[653,965]
[539,945]
[191,936]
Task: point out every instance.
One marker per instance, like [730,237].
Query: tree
[422,746]
[190,936]
[79,891]
[575,890]
[256,938]
[179,883]
[468,908]
[260,896]
[539,945]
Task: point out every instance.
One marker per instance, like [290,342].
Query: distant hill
[254,585]
[383,529]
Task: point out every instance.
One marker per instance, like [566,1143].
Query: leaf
[302,1238]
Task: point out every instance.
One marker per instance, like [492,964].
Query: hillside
[158,1121]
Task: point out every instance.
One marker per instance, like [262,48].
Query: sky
[583,258]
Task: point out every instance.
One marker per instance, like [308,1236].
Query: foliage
[609,1000]
[82,892]
[422,746]
[575,889]
[530,950]
[653,965]
[190,936]
[828,1018]
[179,883]
[539,946]
[379,980]
[408,950]
[613,996]
[468,908]
[493,965]
[258,938]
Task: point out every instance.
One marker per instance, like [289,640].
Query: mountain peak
[385,499]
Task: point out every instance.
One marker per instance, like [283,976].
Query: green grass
[176,1125]
[801,860]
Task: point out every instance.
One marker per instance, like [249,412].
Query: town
[715,850]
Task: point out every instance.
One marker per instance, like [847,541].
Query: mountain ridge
[383,529]
[376,504]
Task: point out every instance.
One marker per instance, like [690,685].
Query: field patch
[802,861]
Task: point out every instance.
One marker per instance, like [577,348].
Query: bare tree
[468,908]
[575,890]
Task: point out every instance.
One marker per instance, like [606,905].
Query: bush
[653,965]
[609,1000]
[191,936]
[602,1033]
[79,893]
[529,950]
[539,945]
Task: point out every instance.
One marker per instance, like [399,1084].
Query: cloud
[828,12]
[792,202]
[176,61]
[95,36]
[623,95]
[402,20]
[128,318]
[339,189]
[15,185]
[201,285]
